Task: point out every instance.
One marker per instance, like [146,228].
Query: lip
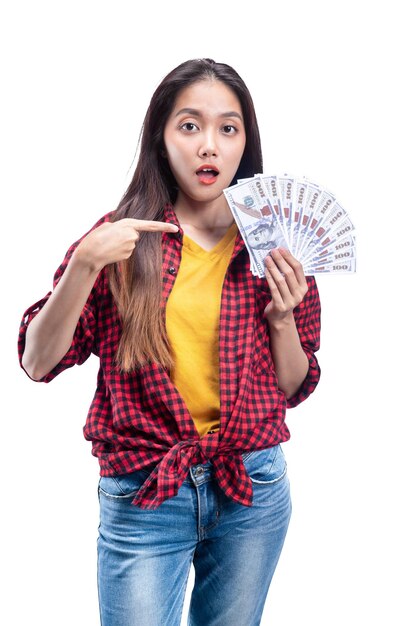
[207,166]
[211,179]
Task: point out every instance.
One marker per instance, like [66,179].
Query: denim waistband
[202,472]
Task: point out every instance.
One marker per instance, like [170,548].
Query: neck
[209,215]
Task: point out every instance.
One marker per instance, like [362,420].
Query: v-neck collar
[217,249]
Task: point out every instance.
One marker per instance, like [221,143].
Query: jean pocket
[266,466]
[123,486]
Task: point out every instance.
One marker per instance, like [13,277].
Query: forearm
[50,333]
[290,361]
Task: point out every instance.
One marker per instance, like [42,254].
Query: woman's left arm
[288,287]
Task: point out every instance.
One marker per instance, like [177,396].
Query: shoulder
[108,217]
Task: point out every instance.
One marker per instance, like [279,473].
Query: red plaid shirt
[140,421]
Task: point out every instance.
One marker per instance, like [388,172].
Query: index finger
[294,264]
[152,225]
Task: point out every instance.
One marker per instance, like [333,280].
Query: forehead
[207,96]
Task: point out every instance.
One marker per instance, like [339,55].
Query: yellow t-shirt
[192,318]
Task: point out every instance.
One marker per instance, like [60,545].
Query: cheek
[176,152]
[235,154]
[174,158]
[243,144]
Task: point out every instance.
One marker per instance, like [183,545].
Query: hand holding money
[287,284]
[297,214]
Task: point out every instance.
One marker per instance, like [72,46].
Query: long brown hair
[136,283]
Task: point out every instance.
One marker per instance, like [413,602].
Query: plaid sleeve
[308,322]
[84,335]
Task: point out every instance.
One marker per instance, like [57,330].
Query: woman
[198,361]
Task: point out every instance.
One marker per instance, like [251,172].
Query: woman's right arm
[50,334]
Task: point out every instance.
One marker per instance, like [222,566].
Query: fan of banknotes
[297,214]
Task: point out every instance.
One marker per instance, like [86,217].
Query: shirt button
[172,270]
[199,471]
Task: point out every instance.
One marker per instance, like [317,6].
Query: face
[204,139]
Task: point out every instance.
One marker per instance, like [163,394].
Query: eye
[228,129]
[189,127]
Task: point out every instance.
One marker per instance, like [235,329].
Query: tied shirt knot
[168,476]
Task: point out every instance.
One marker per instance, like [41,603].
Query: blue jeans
[144,556]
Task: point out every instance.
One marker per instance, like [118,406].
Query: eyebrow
[197,113]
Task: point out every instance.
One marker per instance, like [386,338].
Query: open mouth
[207,174]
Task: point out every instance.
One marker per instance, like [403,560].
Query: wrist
[85,262]
[281,324]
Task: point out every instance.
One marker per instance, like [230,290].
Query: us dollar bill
[256,220]
[274,211]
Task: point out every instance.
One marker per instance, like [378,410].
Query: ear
[163,153]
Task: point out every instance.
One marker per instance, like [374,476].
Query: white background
[334,89]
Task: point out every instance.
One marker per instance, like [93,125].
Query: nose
[208,146]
